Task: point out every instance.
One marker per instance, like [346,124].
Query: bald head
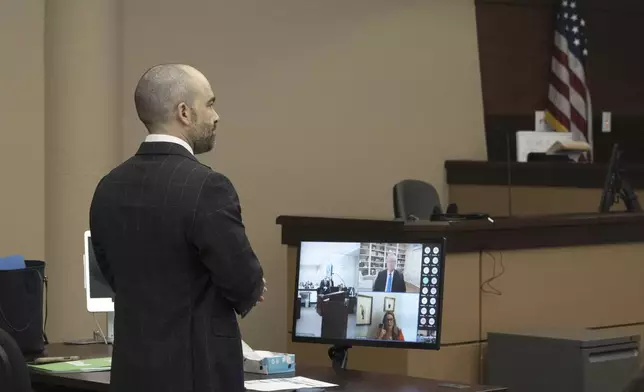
[391,262]
[162,88]
[177,100]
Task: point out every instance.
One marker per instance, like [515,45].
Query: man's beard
[206,141]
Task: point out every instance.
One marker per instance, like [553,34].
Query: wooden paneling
[529,232]
[515,43]
[543,174]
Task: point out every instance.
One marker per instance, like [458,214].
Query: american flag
[569,108]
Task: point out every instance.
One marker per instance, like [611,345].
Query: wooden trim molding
[548,174]
[473,236]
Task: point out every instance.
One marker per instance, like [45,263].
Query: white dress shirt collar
[169,139]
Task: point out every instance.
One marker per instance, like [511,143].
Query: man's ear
[183,114]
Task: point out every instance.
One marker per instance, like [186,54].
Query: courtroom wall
[22,125]
[324,105]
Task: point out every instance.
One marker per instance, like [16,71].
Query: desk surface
[350,380]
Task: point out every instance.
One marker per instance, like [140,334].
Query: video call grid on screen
[369,293]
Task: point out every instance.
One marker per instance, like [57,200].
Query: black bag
[21,306]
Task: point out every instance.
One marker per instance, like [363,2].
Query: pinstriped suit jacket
[168,236]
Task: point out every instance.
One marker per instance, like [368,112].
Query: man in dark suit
[98,285]
[168,236]
[390,280]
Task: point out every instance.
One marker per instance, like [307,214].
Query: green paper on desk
[83,365]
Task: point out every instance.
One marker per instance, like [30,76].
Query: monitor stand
[339,357]
[110,328]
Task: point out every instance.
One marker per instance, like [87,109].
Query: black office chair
[414,199]
[14,374]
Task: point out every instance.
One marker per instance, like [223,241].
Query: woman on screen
[388,330]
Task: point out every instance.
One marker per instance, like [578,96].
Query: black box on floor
[562,360]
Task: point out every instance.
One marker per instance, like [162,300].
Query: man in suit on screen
[168,236]
[390,280]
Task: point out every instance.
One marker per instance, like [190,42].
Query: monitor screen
[98,292]
[369,293]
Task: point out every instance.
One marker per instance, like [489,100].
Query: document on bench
[285,384]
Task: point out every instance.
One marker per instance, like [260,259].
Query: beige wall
[22,132]
[82,143]
[324,105]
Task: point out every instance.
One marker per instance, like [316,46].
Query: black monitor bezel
[611,182]
[375,343]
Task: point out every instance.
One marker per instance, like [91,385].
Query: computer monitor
[381,294]
[98,293]
[616,186]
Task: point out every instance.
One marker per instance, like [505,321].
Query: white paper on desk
[249,353]
[253,355]
[285,384]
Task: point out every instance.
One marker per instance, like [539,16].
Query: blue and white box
[267,362]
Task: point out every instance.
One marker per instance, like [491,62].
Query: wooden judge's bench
[580,269]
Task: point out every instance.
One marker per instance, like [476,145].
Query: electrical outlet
[540,124]
[607,122]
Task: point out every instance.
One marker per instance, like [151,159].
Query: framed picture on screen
[364,309]
[389,304]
